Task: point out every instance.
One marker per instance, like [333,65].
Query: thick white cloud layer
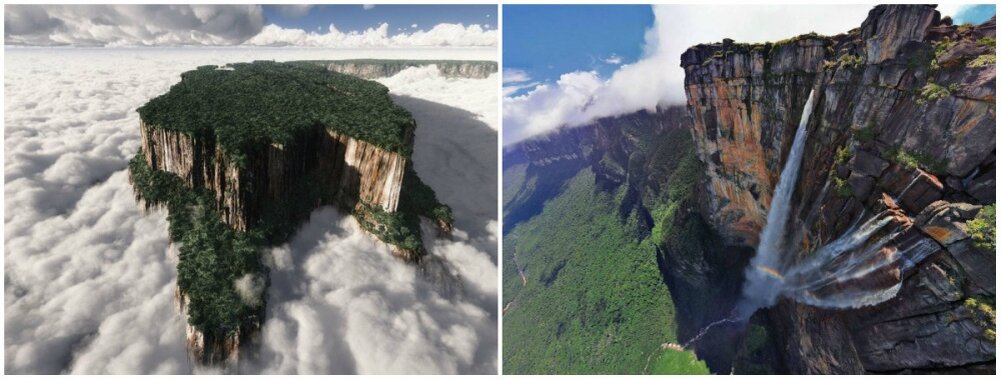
[657,77]
[89,284]
[440,35]
[339,303]
[478,96]
[172,25]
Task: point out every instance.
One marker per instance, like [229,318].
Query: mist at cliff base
[89,282]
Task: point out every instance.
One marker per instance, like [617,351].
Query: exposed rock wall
[350,170]
[205,351]
[903,90]
[386,68]
[746,100]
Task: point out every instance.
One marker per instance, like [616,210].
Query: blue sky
[975,14]
[355,17]
[546,41]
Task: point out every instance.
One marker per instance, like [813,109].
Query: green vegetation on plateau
[212,255]
[981,228]
[247,105]
[982,310]
[403,228]
[917,161]
[242,109]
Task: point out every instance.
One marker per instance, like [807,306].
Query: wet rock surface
[904,117]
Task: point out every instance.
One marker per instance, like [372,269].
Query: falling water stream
[849,272]
[909,185]
[763,280]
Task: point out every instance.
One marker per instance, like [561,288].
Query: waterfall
[917,175]
[869,276]
[851,271]
[763,281]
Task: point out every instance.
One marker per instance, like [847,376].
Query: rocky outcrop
[223,352]
[371,69]
[904,112]
[350,170]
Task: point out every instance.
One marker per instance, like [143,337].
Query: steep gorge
[645,163]
[904,125]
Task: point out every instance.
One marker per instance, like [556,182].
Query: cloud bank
[89,282]
[440,35]
[118,25]
[657,78]
[207,25]
[340,303]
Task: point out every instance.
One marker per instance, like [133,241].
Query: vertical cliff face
[746,100]
[904,123]
[351,171]
[371,69]
[212,351]
[745,104]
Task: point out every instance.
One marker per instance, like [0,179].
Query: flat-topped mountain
[375,68]
[241,154]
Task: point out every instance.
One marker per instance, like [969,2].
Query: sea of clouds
[89,278]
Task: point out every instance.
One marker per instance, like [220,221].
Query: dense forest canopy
[243,105]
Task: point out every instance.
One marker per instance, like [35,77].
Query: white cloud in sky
[367,6]
[440,35]
[657,78]
[515,80]
[515,76]
[207,25]
[293,10]
[613,59]
[89,285]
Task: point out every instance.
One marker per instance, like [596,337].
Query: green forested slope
[594,300]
